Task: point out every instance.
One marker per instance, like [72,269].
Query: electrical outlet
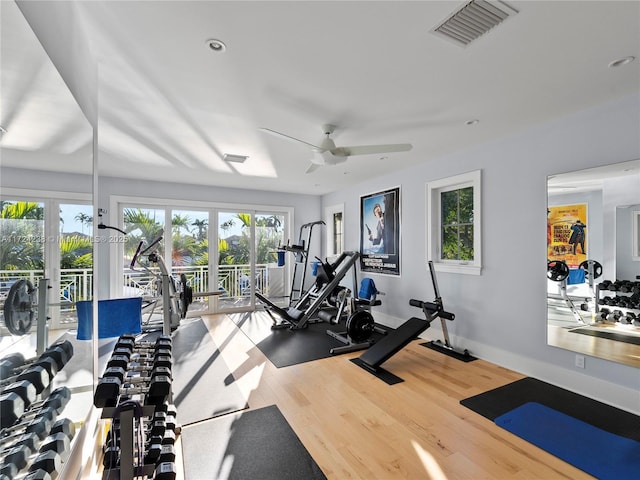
[580,361]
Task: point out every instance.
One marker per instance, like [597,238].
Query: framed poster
[567,233]
[380,232]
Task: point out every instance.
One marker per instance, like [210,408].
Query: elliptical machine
[174,298]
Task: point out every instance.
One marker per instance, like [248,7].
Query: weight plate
[597,268]
[360,326]
[557,270]
[18,307]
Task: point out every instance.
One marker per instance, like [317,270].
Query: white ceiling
[170,107]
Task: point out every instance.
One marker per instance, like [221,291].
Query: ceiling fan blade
[371,149]
[312,167]
[290,138]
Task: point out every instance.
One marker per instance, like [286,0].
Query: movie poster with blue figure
[380,232]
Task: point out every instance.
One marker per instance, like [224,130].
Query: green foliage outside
[457,224]
[23,237]
[22,231]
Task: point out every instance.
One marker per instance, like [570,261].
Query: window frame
[329,215]
[434,222]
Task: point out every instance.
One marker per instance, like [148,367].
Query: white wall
[501,314]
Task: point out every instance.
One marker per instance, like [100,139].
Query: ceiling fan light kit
[327,153]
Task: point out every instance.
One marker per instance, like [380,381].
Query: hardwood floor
[357,427]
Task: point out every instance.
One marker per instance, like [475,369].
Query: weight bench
[396,340]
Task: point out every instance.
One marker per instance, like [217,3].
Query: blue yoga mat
[591,449]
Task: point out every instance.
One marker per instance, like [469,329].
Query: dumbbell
[53,359]
[604,285]
[155,388]
[165,471]
[36,420]
[9,363]
[49,462]
[59,440]
[21,395]
[129,341]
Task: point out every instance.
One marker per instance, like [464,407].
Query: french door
[247,257]
[234,259]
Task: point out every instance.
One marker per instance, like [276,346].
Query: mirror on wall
[46,180]
[593,262]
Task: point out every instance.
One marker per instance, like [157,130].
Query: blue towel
[367,288]
[593,450]
[576,275]
[115,317]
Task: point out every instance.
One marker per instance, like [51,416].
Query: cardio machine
[175,297]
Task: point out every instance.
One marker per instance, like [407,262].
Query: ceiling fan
[328,154]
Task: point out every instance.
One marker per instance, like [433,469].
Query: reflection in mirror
[593,262]
[46,259]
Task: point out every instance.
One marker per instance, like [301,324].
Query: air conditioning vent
[474,20]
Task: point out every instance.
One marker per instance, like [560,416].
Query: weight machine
[301,255]
[308,306]
[558,271]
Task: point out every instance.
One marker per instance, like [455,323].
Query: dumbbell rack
[623,288]
[129,410]
[127,418]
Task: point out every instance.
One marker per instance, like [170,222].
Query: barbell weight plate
[597,268]
[360,326]
[557,270]
[18,307]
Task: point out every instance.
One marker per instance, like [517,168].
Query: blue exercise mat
[591,449]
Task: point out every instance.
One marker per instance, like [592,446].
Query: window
[334,223]
[453,223]
[217,246]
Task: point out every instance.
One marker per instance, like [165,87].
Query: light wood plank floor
[357,427]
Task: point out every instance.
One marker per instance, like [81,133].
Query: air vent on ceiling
[474,20]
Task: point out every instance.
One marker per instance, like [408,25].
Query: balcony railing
[77,284]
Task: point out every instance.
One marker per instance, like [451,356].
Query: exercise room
[306,240]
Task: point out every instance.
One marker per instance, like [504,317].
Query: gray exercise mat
[250,445]
[203,385]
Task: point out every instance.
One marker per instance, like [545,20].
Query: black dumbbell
[49,462]
[9,363]
[53,359]
[158,453]
[129,342]
[125,361]
[19,400]
[165,471]
[604,285]
[156,390]
[58,440]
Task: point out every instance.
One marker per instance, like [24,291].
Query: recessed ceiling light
[216,45]
[475,121]
[229,157]
[622,61]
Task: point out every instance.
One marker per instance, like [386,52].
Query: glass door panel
[22,249]
[76,262]
[235,269]
[190,253]
[270,277]
[141,224]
